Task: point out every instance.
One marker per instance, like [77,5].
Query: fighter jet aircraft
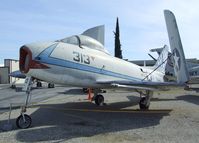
[83,61]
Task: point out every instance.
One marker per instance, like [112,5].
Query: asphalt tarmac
[63,114]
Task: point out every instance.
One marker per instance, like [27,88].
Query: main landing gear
[24,121]
[39,84]
[98,98]
[51,85]
[145,99]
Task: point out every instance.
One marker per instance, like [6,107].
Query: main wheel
[39,84]
[13,86]
[85,90]
[143,104]
[23,123]
[51,85]
[99,100]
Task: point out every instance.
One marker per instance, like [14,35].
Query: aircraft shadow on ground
[189,98]
[79,91]
[20,89]
[72,91]
[59,122]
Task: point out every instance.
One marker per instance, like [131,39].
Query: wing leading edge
[141,85]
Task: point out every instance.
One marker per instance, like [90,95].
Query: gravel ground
[66,116]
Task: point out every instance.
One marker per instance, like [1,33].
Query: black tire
[23,125]
[51,85]
[99,100]
[13,86]
[39,84]
[85,90]
[142,104]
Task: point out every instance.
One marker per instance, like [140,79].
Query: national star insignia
[176,59]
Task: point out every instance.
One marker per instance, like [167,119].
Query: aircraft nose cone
[28,59]
[25,59]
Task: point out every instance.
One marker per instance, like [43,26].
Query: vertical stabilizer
[180,67]
[96,32]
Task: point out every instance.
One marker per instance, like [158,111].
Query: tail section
[161,62]
[180,67]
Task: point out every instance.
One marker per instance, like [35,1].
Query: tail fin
[96,33]
[180,67]
[161,62]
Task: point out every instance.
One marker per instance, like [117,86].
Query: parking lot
[64,114]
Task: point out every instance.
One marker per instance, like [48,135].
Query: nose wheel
[23,121]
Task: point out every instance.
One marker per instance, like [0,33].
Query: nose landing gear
[24,121]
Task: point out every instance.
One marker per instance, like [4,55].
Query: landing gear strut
[24,121]
[145,100]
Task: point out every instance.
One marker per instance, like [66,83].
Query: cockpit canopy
[82,40]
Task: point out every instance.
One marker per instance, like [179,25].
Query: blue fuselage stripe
[73,65]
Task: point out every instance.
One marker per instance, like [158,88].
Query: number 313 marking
[79,57]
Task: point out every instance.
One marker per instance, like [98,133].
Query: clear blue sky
[142,24]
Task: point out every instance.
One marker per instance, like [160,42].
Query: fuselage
[81,66]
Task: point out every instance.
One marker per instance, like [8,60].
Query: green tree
[118,51]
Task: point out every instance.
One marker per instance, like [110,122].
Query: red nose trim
[37,65]
[26,62]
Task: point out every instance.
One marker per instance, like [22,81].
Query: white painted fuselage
[83,67]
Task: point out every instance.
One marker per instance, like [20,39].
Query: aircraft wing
[142,85]
[17,74]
